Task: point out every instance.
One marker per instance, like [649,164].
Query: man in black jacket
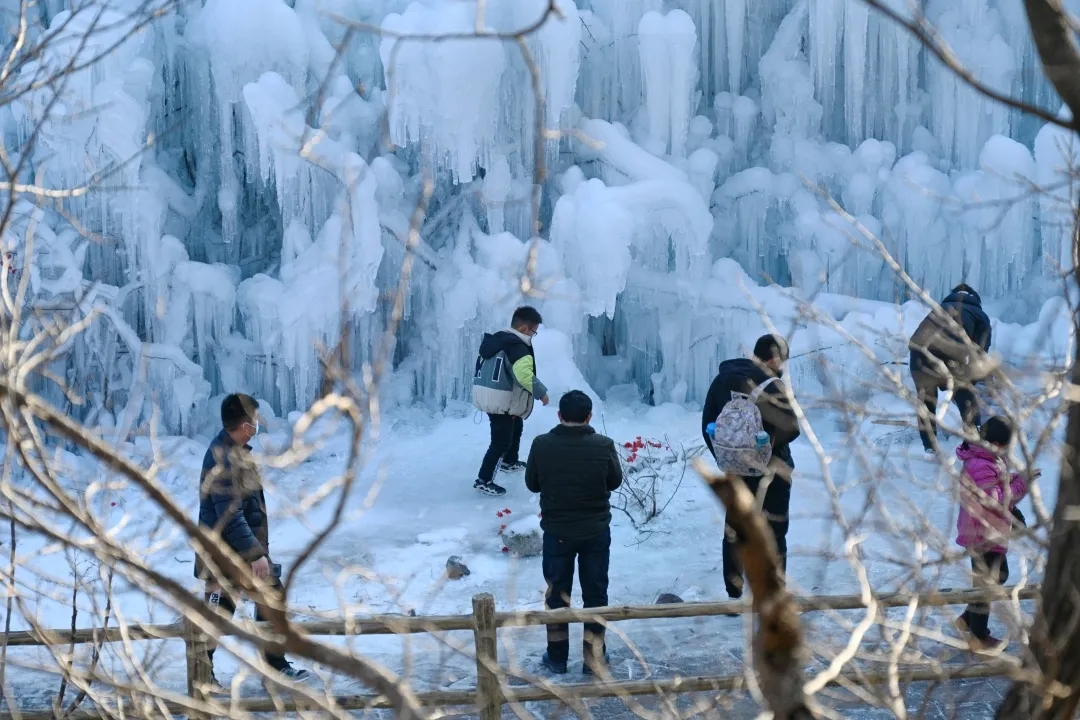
[575,469]
[778,419]
[232,505]
[941,356]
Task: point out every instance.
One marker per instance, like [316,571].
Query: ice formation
[666,45]
[691,151]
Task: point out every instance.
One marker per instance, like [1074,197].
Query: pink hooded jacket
[985,521]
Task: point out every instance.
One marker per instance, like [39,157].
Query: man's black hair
[964,287]
[997,431]
[769,347]
[525,315]
[237,409]
[575,407]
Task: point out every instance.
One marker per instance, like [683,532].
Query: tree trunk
[779,651]
[1053,690]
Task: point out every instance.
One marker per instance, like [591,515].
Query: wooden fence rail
[491,694]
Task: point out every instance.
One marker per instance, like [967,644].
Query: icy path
[389,554]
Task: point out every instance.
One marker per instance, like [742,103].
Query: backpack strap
[761,388]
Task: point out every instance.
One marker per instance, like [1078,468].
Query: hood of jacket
[747,368]
[493,343]
[963,298]
[981,465]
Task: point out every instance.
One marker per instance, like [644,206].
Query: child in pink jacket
[988,495]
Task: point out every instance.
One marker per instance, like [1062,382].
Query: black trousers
[228,604]
[593,556]
[928,382]
[776,505]
[504,446]
[988,569]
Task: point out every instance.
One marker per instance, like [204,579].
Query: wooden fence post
[199,671]
[489,697]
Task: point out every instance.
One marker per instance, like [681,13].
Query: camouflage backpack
[735,438]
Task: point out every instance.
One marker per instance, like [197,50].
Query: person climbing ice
[942,359]
[505,386]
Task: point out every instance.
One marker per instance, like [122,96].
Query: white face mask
[255,426]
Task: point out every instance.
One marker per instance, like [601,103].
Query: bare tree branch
[931,39]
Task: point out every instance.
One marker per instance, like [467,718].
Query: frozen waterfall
[249,170]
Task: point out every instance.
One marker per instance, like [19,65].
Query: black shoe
[734,595]
[516,466]
[559,668]
[294,673]
[489,488]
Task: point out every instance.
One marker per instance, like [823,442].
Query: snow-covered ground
[414,507]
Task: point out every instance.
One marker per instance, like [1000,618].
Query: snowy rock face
[262,181]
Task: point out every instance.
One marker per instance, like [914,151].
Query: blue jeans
[593,556]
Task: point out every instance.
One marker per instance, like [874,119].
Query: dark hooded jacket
[232,502]
[934,336]
[777,416]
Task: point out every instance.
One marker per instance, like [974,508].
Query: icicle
[1008,251]
[752,194]
[282,149]
[735,31]
[656,76]
[723,106]
[666,45]
[682,40]
[557,46]
[1057,152]
[745,112]
[597,92]
[787,92]
[445,94]
[917,234]
[623,17]
[856,28]
[963,118]
[592,231]
[496,190]
[827,45]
